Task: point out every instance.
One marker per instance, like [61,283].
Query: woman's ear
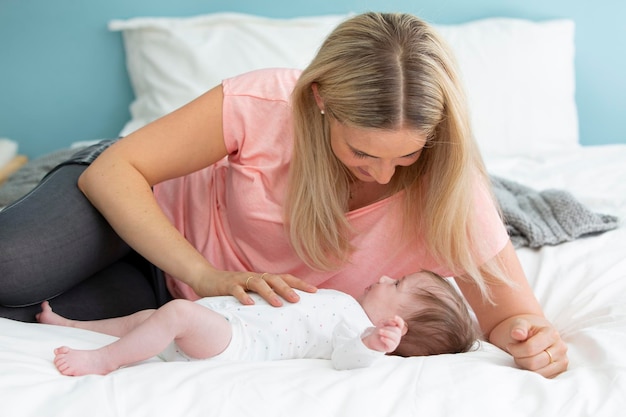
[318,99]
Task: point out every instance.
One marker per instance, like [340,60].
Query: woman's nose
[384,171]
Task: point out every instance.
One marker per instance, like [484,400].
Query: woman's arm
[516,322]
[119,182]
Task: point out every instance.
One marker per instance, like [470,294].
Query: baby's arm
[355,348]
[385,337]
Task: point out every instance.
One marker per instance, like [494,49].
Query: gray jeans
[54,245]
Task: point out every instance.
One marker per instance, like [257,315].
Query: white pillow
[518,74]
[519,80]
[173,60]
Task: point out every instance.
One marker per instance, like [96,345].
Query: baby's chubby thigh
[205,333]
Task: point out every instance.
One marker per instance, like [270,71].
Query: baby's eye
[397,283]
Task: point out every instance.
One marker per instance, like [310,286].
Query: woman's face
[373,154]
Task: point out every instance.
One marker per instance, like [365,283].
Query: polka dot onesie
[325,325]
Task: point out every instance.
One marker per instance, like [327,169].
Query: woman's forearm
[509,301]
[118,183]
[126,200]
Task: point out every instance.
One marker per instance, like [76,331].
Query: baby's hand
[385,337]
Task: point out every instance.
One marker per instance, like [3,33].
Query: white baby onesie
[328,324]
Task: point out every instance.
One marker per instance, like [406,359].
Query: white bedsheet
[581,284]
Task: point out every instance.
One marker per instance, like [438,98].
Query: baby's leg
[198,331]
[117,326]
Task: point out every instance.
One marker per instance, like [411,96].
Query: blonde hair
[441,324]
[386,71]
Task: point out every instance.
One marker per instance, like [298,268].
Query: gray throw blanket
[549,217]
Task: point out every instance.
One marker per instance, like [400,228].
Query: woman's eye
[358,154]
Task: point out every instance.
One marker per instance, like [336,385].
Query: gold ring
[550,356]
[263,274]
[247,281]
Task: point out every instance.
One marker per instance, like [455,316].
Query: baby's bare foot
[73,362]
[47,316]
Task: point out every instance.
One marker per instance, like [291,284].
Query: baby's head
[437,317]
[439,321]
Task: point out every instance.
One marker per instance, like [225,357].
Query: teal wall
[63,79]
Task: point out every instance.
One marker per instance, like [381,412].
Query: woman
[360,166]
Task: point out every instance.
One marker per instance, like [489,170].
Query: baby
[420,314]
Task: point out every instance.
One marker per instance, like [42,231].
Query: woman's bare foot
[47,316]
[73,362]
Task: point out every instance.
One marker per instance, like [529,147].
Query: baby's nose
[386,280]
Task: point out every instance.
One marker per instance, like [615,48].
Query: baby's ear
[405,327]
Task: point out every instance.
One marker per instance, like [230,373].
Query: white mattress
[581,284]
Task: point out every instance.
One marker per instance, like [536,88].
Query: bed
[520,84]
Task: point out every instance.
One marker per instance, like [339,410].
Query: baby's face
[388,297]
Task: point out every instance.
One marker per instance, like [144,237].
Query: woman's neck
[365,193]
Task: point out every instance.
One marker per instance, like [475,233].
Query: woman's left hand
[533,342]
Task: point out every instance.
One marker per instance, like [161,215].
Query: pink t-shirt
[232,212]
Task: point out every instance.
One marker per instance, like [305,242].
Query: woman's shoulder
[266,83]
[257,113]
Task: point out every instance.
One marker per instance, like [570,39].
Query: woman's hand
[533,342]
[269,286]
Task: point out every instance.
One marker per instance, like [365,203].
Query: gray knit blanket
[549,217]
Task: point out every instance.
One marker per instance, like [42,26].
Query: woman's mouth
[364,172]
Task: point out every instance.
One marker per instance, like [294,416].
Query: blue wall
[63,79]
